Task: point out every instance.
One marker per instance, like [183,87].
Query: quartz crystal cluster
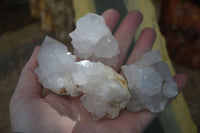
[55,67]
[103,91]
[150,83]
[93,40]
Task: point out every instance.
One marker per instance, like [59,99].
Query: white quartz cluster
[93,40]
[150,83]
[55,67]
[104,92]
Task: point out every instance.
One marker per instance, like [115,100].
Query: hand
[30,112]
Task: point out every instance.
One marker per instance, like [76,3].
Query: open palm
[30,112]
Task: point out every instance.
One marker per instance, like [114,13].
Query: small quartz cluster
[56,65]
[150,83]
[103,91]
[93,40]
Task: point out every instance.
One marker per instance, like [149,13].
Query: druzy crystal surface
[103,91]
[150,83]
[55,67]
[93,40]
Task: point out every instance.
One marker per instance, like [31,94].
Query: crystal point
[93,40]
[55,66]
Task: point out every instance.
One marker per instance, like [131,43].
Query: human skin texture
[32,112]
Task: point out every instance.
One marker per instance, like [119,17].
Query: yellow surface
[176,118]
[81,7]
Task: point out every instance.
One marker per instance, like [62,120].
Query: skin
[32,112]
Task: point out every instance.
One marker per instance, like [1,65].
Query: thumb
[28,82]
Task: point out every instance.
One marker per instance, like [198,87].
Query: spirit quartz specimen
[55,67]
[93,40]
[150,83]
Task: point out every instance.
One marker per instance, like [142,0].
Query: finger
[32,63]
[143,45]
[125,33]
[28,82]
[181,81]
[111,17]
